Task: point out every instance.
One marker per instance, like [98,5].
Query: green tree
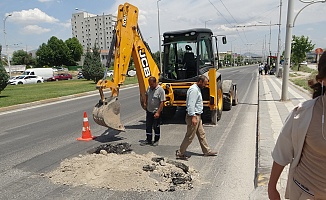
[300,46]
[87,65]
[60,52]
[57,53]
[97,69]
[4,77]
[92,67]
[44,56]
[75,50]
[21,57]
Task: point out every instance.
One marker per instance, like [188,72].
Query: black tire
[227,104]
[38,82]
[20,83]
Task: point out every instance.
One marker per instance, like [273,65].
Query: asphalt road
[34,140]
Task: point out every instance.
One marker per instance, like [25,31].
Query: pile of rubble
[120,148]
[117,167]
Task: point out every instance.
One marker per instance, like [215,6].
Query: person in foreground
[195,106]
[155,97]
[302,144]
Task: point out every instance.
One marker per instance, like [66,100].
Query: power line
[227,21]
[244,33]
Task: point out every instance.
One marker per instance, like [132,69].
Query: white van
[45,73]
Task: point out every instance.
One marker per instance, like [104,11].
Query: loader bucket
[107,113]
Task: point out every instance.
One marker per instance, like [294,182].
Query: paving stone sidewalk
[272,114]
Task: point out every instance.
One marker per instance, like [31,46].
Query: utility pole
[5,34]
[279,43]
[287,55]
[269,44]
[288,40]
[159,34]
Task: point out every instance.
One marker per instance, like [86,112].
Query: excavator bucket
[107,114]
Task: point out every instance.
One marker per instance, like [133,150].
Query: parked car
[11,79]
[27,79]
[60,77]
[80,75]
[304,63]
[131,73]
[109,73]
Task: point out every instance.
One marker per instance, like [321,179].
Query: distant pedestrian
[260,68]
[266,68]
[155,97]
[193,119]
[302,144]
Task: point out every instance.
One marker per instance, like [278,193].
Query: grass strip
[18,94]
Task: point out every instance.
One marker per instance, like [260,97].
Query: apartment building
[92,29]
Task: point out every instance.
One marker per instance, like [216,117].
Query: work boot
[155,143]
[211,153]
[180,156]
[145,142]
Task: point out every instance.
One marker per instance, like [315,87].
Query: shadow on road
[110,135]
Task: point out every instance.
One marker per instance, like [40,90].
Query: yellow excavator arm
[127,42]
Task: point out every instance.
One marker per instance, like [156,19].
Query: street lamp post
[207,21]
[159,34]
[288,39]
[249,44]
[278,43]
[5,37]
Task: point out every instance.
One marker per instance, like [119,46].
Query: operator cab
[188,53]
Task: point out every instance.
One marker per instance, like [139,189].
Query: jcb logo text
[144,63]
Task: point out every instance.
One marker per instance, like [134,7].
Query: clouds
[32,16]
[35,29]
[52,17]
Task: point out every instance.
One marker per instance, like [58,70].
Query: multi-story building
[91,30]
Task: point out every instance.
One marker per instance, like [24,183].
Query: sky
[33,22]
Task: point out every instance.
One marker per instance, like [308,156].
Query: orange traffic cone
[86,132]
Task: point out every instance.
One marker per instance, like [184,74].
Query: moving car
[60,77]
[27,79]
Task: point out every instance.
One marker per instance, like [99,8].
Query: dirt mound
[124,172]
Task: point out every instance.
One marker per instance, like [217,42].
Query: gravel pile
[125,170]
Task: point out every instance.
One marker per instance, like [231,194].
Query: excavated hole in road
[117,167]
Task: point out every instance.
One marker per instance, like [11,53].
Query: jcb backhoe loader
[187,54]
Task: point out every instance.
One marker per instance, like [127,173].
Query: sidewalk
[272,113]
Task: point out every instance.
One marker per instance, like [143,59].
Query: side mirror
[224,40]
